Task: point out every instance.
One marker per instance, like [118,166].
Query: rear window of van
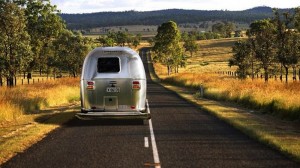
[108,65]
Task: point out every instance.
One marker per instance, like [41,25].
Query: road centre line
[153,142]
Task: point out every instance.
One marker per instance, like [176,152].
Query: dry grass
[26,116]
[27,99]
[274,97]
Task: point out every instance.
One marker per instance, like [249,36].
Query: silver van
[113,85]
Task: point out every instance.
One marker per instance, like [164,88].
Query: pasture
[274,97]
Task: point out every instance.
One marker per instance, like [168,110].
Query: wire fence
[293,77]
[20,80]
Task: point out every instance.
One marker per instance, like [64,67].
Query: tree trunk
[294,73]
[1,81]
[281,72]
[169,70]
[266,74]
[286,73]
[11,78]
[252,69]
[74,74]
[10,81]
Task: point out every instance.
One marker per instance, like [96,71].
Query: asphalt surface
[185,137]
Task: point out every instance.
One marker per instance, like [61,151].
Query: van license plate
[112,89]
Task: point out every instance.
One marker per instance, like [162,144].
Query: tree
[136,40]
[218,28]
[224,29]
[70,50]
[190,44]
[121,38]
[167,48]
[15,50]
[105,41]
[286,42]
[44,25]
[263,34]
[241,58]
[229,28]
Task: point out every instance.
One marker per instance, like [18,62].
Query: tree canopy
[31,33]
[167,48]
[273,43]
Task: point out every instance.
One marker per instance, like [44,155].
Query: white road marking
[146,142]
[153,142]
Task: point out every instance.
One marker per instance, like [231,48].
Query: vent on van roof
[112,52]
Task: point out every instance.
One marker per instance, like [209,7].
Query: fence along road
[185,137]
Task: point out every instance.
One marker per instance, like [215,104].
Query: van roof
[107,50]
[90,63]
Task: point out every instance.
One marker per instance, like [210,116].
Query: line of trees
[34,37]
[180,16]
[273,45]
[119,38]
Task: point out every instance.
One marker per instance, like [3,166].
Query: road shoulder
[17,137]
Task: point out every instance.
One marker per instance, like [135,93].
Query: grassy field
[28,99]
[274,97]
[29,112]
[259,98]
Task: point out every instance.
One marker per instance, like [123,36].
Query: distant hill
[105,19]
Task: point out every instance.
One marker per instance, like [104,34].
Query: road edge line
[153,142]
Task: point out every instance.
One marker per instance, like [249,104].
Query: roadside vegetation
[272,45]
[274,97]
[24,100]
[235,93]
[33,37]
[29,112]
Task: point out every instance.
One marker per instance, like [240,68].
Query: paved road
[184,135]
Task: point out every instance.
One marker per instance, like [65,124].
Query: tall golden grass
[273,97]
[29,99]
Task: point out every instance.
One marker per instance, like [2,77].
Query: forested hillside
[104,19]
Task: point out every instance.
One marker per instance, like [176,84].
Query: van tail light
[90,85]
[136,85]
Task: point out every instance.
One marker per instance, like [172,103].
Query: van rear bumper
[113,115]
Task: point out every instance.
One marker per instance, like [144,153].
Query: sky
[89,6]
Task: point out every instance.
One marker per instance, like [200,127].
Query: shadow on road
[67,118]
[75,122]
